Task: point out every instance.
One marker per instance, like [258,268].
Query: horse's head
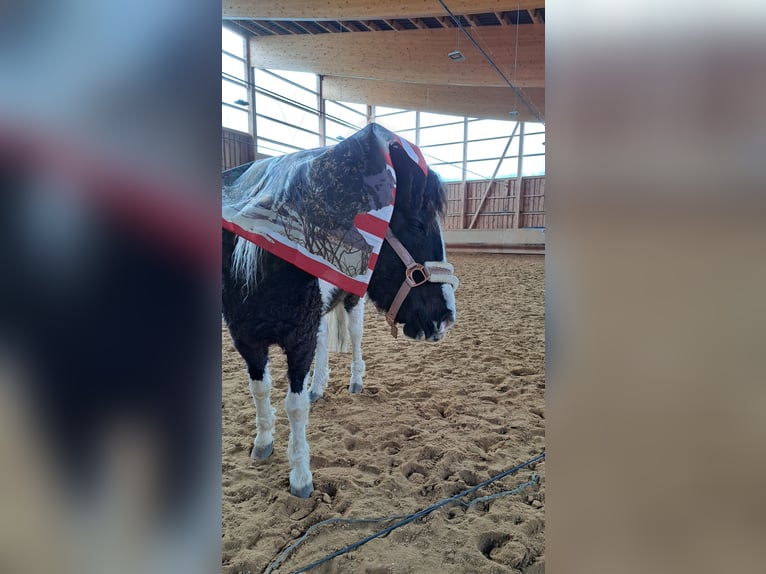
[412,281]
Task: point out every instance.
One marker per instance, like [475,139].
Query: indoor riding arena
[437,465]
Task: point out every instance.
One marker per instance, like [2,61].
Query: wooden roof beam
[395,25]
[534,15]
[359,26]
[246,25]
[304,28]
[417,56]
[325,25]
[472,19]
[274,27]
[254,28]
[473,101]
[364,9]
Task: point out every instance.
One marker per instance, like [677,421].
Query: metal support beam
[463,187]
[322,112]
[519,171]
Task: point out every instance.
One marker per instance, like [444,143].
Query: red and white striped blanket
[324,210]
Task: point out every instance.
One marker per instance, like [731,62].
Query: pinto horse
[268,300]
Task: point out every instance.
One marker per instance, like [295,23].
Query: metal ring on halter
[417,267]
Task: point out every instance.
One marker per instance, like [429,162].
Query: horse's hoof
[354,388]
[303,492]
[261,452]
[313,397]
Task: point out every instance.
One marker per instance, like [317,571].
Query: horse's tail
[245,262]
[338,339]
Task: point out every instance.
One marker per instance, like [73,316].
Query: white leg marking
[356,329]
[321,369]
[264,416]
[449,299]
[297,407]
[447,290]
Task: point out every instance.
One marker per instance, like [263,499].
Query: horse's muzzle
[441,331]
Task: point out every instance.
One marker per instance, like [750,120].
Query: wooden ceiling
[394,53]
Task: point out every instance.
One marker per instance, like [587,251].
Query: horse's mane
[435,194]
[429,197]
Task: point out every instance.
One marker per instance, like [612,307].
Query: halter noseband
[415,274]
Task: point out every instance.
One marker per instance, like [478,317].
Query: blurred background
[109,319]
[655,275]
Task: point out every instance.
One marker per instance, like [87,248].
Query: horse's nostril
[446,324]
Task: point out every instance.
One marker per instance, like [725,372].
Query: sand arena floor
[433,420]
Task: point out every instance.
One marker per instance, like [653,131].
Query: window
[428,119]
[291,135]
[286,111]
[493,148]
[533,144]
[235,112]
[232,42]
[286,117]
[452,133]
[443,153]
[269,107]
[345,113]
[235,119]
[272,82]
[448,171]
[534,165]
[397,122]
[336,131]
[481,129]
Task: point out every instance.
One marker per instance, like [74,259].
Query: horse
[268,300]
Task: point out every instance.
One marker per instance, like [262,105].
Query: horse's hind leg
[355,309]
[257,358]
[297,406]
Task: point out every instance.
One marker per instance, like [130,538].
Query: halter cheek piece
[415,275]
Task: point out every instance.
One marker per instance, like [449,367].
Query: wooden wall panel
[236,148]
[499,207]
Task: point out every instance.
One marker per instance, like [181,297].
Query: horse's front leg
[297,406]
[321,364]
[356,329]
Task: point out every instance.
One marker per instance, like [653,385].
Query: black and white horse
[267,301]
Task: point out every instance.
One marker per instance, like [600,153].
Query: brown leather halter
[415,274]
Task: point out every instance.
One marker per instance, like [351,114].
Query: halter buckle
[416,268]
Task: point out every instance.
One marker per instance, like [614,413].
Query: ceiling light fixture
[491,62]
[456,55]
